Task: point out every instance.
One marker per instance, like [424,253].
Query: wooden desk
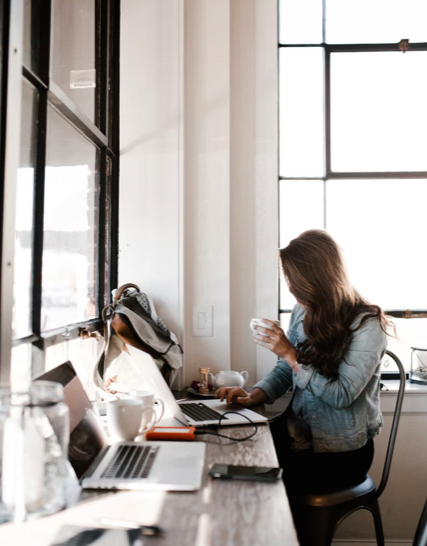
[221,513]
[232,513]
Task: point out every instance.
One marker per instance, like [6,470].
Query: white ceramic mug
[126,418]
[149,401]
[259,322]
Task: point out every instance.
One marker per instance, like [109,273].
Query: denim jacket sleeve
[279,380]
[362,359]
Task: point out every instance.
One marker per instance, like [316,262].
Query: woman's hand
[276,342]
[239,395]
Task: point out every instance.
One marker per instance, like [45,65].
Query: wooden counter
[221,513]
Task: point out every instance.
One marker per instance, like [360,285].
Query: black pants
[306,471]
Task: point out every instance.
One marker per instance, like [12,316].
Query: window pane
[285,319]
[301,208]
[378,111]
[69,248]
[22,290]
[73,52]
[301,112]
[410,333]
[375,21]
[82,353]
[383,236]
[300,22]
[31,49]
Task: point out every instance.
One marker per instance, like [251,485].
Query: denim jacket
[345,413]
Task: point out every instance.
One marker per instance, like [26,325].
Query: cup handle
[152,420]
[162,409]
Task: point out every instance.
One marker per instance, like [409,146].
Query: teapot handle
[245,376]
[211,379]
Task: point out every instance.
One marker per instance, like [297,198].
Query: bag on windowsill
[132,319]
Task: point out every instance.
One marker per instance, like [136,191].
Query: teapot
[228,378]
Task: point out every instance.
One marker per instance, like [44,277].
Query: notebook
[187,412]
[169,466]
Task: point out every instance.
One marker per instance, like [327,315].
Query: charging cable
[229,437]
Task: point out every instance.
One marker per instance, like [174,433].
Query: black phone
[70,535]
[257,473]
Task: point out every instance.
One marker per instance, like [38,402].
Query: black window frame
[329,174]
[103,133]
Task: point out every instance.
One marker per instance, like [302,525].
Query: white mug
[126,418]
[149,401]
[259,322]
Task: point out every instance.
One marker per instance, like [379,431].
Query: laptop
[148,465]
[186,412]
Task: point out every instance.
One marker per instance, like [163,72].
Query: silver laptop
[188,412]
[170,466]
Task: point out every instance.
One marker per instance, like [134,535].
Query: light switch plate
[202,320]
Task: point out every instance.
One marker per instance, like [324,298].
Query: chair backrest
[394,425]
[421,532]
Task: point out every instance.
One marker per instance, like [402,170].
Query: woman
[331,357]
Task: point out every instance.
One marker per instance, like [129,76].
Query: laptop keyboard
[131,462]
[199,412]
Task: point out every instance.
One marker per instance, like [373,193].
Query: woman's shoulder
[298,311]
[295,330]
[368,330]
[297,315]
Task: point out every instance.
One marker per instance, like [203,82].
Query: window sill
[393,386]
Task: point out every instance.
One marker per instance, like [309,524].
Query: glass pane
[22,290]
[379,111]
[301,112]
[73,52]
[69,249]
[383,236]
[31,50]
[300,22]
[82,353]
[410,333]
[285,319]
[301,208]
[20,371]
[375,21]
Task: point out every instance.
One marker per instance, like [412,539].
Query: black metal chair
[421,533]
[325,512]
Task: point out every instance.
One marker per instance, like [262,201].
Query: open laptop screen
[87,435]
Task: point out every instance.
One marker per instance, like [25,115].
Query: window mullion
[101,264]
[102,62]
[327,111]
[38,228]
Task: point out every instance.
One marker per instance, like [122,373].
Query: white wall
[198,179]
[150,231]
[207,179]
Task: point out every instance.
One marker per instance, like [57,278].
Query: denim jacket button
[314,418]
[320,446]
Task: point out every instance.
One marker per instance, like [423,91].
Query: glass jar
[34,434]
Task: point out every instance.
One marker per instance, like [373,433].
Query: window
[65,223]
[353,119]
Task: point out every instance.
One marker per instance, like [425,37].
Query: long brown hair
[316,273]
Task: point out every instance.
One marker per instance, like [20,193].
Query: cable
[229,437]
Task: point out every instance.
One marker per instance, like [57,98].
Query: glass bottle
[34,434]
